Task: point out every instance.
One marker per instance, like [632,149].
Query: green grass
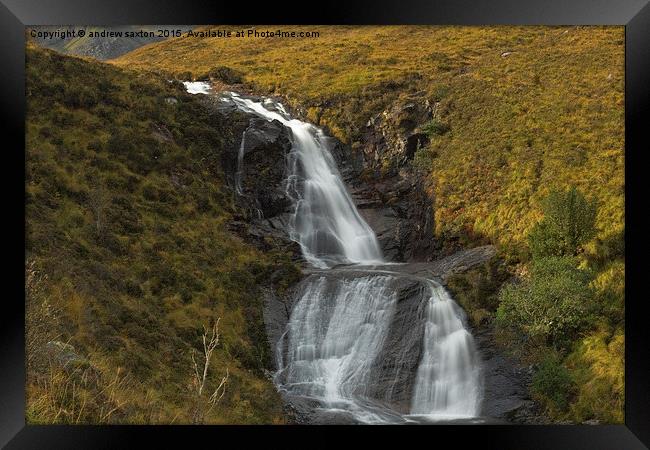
[127,217]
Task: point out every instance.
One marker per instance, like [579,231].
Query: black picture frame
[633,14]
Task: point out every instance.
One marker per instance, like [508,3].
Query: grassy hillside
[129,255]
[528,108]
[520,112]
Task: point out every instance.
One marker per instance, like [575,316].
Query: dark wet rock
[307,411]
[400,212]
[265,145]
[277,310]
[506,395]
[261,176]
[395,369]
[459,262]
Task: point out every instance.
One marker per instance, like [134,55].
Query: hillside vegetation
[527,109]
[526,121]
[129,255]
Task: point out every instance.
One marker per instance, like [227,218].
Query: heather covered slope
[129,253]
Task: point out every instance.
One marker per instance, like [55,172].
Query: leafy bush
[554,304]
[568,223]
[553,384]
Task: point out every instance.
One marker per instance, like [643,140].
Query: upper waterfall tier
[325,221]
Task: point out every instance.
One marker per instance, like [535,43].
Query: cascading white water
[325,222]
[240,164]
[448,383]
[336,330]
[339,324]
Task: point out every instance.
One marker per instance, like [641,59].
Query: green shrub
[553,384]
[555,304]
[568,223]
[435,128]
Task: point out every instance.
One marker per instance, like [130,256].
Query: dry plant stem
[200,376]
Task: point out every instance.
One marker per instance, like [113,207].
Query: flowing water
[341,320]
[325,222]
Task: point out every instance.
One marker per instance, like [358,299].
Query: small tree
[202,403]
[569,222]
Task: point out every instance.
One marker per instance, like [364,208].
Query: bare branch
[210,341]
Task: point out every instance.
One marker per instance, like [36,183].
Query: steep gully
[359,339]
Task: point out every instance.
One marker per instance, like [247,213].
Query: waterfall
[325,222]
[240,164]
[334,349]
[448,381]
[337,328]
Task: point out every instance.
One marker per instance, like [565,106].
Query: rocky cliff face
[254,166]
[392,137]
[395,199]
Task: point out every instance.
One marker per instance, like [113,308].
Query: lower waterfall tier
[383,347]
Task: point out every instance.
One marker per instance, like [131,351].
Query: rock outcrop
[253,160]
[392,137]
[400,211]
[394,197]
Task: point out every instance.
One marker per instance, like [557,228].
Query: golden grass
[530,108]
